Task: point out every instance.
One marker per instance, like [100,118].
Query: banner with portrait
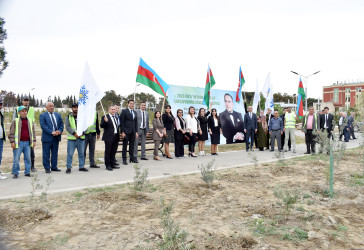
[230,112]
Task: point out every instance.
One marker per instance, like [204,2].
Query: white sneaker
[3,177]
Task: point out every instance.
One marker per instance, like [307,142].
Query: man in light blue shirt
[275,130]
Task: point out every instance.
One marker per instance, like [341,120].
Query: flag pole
[102,108]
[164,100]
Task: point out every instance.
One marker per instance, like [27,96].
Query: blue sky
[49,42]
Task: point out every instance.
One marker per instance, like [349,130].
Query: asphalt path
[62,182]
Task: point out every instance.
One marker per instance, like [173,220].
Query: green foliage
[253,157]
[208,172]
[357,180]
[149,99]
[141,182]
[173,236]
[3,62]
[110,98]
[36,186]
[288,197]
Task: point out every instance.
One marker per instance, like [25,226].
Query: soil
[238,211]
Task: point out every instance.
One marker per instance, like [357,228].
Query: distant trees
[3,62]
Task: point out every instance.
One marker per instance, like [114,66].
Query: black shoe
[56,170]
[116,164]
[28,175]
[134,161]
[247,150]
[48,171]
[83,169]
[271,150]
[15,176]
[125,163]
[313,152]
[94,166]
[33,169]
[115,167]
[144,159]
[307,153]
[109,168]
[68,171]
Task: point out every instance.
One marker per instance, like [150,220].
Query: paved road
[12,188]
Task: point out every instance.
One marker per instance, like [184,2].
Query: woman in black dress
[214,130]
[179,135]
[202,135]
[168,121]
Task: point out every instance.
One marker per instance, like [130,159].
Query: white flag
[266,87]
[256,98]
[89,95]
[269,99]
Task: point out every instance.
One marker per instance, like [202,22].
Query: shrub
[208,172]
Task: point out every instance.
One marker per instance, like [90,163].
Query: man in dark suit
[250,128]
[52,128]
[347,125]
[143,129]
[326,122]
[232,123]
[110,124]
[352,120]
[283,136]
[269,116]
[129,131]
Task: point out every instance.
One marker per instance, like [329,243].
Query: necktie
[132,114]
[143,119]
[326,120]
[53,122]
[250,115]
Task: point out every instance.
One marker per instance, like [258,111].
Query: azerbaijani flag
[147,76]
[300,99]
[241,83]
[210,82]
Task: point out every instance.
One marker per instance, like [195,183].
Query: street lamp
[305,79]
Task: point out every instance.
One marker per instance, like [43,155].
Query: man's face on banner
[229,105]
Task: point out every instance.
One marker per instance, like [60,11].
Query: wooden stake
[102,108]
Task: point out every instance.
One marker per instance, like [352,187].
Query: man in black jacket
[283,136]
[2,137]
[269,116]
[129,131]
[110,124]
[326,122]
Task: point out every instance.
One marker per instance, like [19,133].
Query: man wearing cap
[91,135]
[74,141]
[52,128]
[2,137]
[31,116]
[22,138]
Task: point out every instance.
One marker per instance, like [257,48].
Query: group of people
[131,126]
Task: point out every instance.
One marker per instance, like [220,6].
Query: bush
[208,172]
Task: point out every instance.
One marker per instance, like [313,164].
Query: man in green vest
[92,133]
[310,125]
[22,138]
[31,116]
[290,129]
[74,141]
[2,137]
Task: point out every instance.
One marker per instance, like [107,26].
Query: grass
[356,180]
[265,227]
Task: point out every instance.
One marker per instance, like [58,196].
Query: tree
[149,99]
[9,98]
[110,98]
[3,62]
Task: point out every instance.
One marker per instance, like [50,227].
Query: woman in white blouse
[192,125]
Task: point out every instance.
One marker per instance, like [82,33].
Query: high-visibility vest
[290,120]
[73,126]
[16,136]
[92,128]
[30,114]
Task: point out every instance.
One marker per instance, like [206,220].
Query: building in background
[343,95]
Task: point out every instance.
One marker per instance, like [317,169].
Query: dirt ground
[238,211]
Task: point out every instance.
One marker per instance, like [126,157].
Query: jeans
[24,148]
[71,146]
[290,133]
[50,150]
[90,139]
[1,150]
[275,135]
